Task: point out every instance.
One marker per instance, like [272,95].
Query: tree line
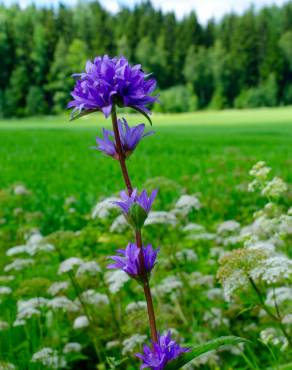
[240,61]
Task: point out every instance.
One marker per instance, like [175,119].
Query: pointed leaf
[201,349]
[82,114]
[142,112]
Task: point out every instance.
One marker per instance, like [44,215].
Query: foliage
[42,47]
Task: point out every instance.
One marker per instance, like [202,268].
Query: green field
[208,153]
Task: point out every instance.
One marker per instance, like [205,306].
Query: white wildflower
[6,278]
[233,282]
[264,245]
[20,190]
[214,293]
[103,209]
[210,358]
[90,296]
[130,344]
[231,240]
[7,366]
[271,336]
[57,287]
[274,188]
[194,228]
[36,302]
[198,279]
[72,347]
[116,280]
[279,295]
[49,357]
[81,322]
[273,269]
[70,200]
[90,268]
[285,225]
[186,255]
[260,170]
[19,264]
[161,217]
[27,313]
[69,264]
[112,344]
[287,319]
[4,325]
[119,225]
[63,303]
[228,227]
[18,322]
[202,236]
[215,319]
[167,285]
[5,290]
[217,252]
[186,204]
[136,306]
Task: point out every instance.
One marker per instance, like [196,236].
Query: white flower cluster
[119,225]
[274,188]
[104,208]
[92,297]
[58,287]
[90,268]
[136,306]
[34,245]
[186,204]
[50,358]
[279,295]
[275,269]
[260,170]
[228,227]
[168,285]
[20,190]
[19,264]
[161,217]
[215,318]
[63,303]
[272,336]
[130,344]
[186,255]
[81,322]
[5,290]
[29,308]
[116,280]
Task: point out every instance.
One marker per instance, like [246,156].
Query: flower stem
[277,317]
[146,286]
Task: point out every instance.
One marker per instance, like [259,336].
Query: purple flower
[108,81]
[159,354]
[136,207]
[130,138]
[128,259]
[142,200]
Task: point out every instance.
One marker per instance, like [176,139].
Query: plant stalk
[145,279]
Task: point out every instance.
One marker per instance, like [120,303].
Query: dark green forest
[240,61]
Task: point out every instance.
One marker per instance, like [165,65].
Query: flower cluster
[111,81]
[160,353]
[130,138]
[107,83]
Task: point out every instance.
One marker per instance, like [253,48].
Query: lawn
[208,153]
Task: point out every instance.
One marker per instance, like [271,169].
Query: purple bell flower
[160,354]
[136,207]
[130,138]
[128,259]
[108,81]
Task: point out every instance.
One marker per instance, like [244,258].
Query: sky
[205,9]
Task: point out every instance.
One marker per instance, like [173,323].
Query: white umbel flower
[49,357]
[130,344]
[116,280]
[92,297]
[274,269]
[119,225]
[90,268]
[5,290]
[103,209]
[19,264]
[161,218]
[186,204]
[69,264]
[136,306]
[57,287]
[63,303]
[81,322]
[72,347]
[228,227]
[274,188]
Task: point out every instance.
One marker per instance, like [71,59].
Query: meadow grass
[206,152]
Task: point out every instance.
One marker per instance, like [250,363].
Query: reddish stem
[146,287]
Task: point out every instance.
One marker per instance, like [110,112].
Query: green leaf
[201,349]
[142,112]
[82,114]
